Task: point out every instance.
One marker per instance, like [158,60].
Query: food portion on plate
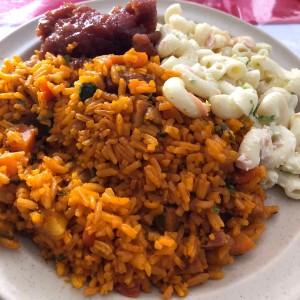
[84,32]
[132,169]
[238,78]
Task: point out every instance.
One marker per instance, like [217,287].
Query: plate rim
[229,18]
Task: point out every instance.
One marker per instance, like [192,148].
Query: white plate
[271,271]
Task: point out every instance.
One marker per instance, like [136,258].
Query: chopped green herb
[87,90]
[216,210]
[229,186]
[255,110]
[252,108]
[22,102]
[67,59]
[266,120]
[177,35]
[219,129]
[192,81]
[61,193]
[60,257]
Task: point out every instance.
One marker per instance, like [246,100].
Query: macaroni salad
[232,77]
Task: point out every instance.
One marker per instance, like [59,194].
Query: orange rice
[121,189]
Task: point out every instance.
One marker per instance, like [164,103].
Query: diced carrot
[170,73]
[133,83]
[48,96]
[11,161]
[142,59]
[106,60]
[234,124]
[117,59]
[27,141]
[141,87]
[135,59]
[241,244]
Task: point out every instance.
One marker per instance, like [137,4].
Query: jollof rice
[114,183]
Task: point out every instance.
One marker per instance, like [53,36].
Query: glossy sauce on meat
[92,33]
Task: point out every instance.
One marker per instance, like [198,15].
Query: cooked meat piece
[221,238]
[140,110]
[110,86]
[132,292]
[195,267]
[128,75]
[145,43]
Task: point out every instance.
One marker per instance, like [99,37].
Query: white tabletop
[287,34]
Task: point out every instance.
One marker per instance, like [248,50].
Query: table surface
[287,34]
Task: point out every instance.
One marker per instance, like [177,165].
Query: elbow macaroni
[175,92]
[237,77]
[290,183]
[274,104]
[284,146]
[295,128]
[234,68]
[195,84]
[239,102]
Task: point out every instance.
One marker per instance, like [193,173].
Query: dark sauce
[92,33]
